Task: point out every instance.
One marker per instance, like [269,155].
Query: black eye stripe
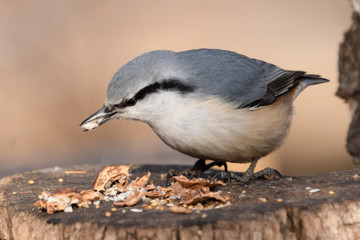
[177,86]
[147,90]
[166,85]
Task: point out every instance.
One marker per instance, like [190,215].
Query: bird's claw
[230,177]
[268,173]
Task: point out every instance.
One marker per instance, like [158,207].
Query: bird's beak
[97,119]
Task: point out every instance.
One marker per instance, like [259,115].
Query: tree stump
[349,81]
[322,206]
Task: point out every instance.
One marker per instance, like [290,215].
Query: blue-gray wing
[234,77]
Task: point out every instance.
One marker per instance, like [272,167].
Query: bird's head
[140,88]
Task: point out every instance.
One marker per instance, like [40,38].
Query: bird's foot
[267,173]
[199,167]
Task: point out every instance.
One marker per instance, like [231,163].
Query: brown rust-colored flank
[270,124]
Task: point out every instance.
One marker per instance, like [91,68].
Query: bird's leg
[244,177]
[199,167]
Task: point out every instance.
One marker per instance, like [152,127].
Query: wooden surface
[331,213]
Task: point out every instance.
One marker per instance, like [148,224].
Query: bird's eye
[109,109]
[130,102]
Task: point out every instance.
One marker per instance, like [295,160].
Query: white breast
[212,129]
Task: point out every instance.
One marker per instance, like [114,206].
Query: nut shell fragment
[197,182]
[140,182]
[196,190]
[131,200]
[61,200]
[113,184]
[91,195]
[112,174]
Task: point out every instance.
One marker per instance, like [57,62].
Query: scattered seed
[60,180]
[108,214]
[179,209]
[161,208]
[97,206]
[123,211]
[355,176]
[136,210]
[154,203]
[204,215]
[314,190]
[14,193]
[31,182]
[113,209]
[261,199]
[331,192]
[279,200]
[68,209]
[243,191]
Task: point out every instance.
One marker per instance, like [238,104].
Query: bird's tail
[308,80]
[313,79]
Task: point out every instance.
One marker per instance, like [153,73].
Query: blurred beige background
[57,58]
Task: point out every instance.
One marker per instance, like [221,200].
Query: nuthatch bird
[209,104]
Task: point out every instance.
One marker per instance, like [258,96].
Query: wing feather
[239,79]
